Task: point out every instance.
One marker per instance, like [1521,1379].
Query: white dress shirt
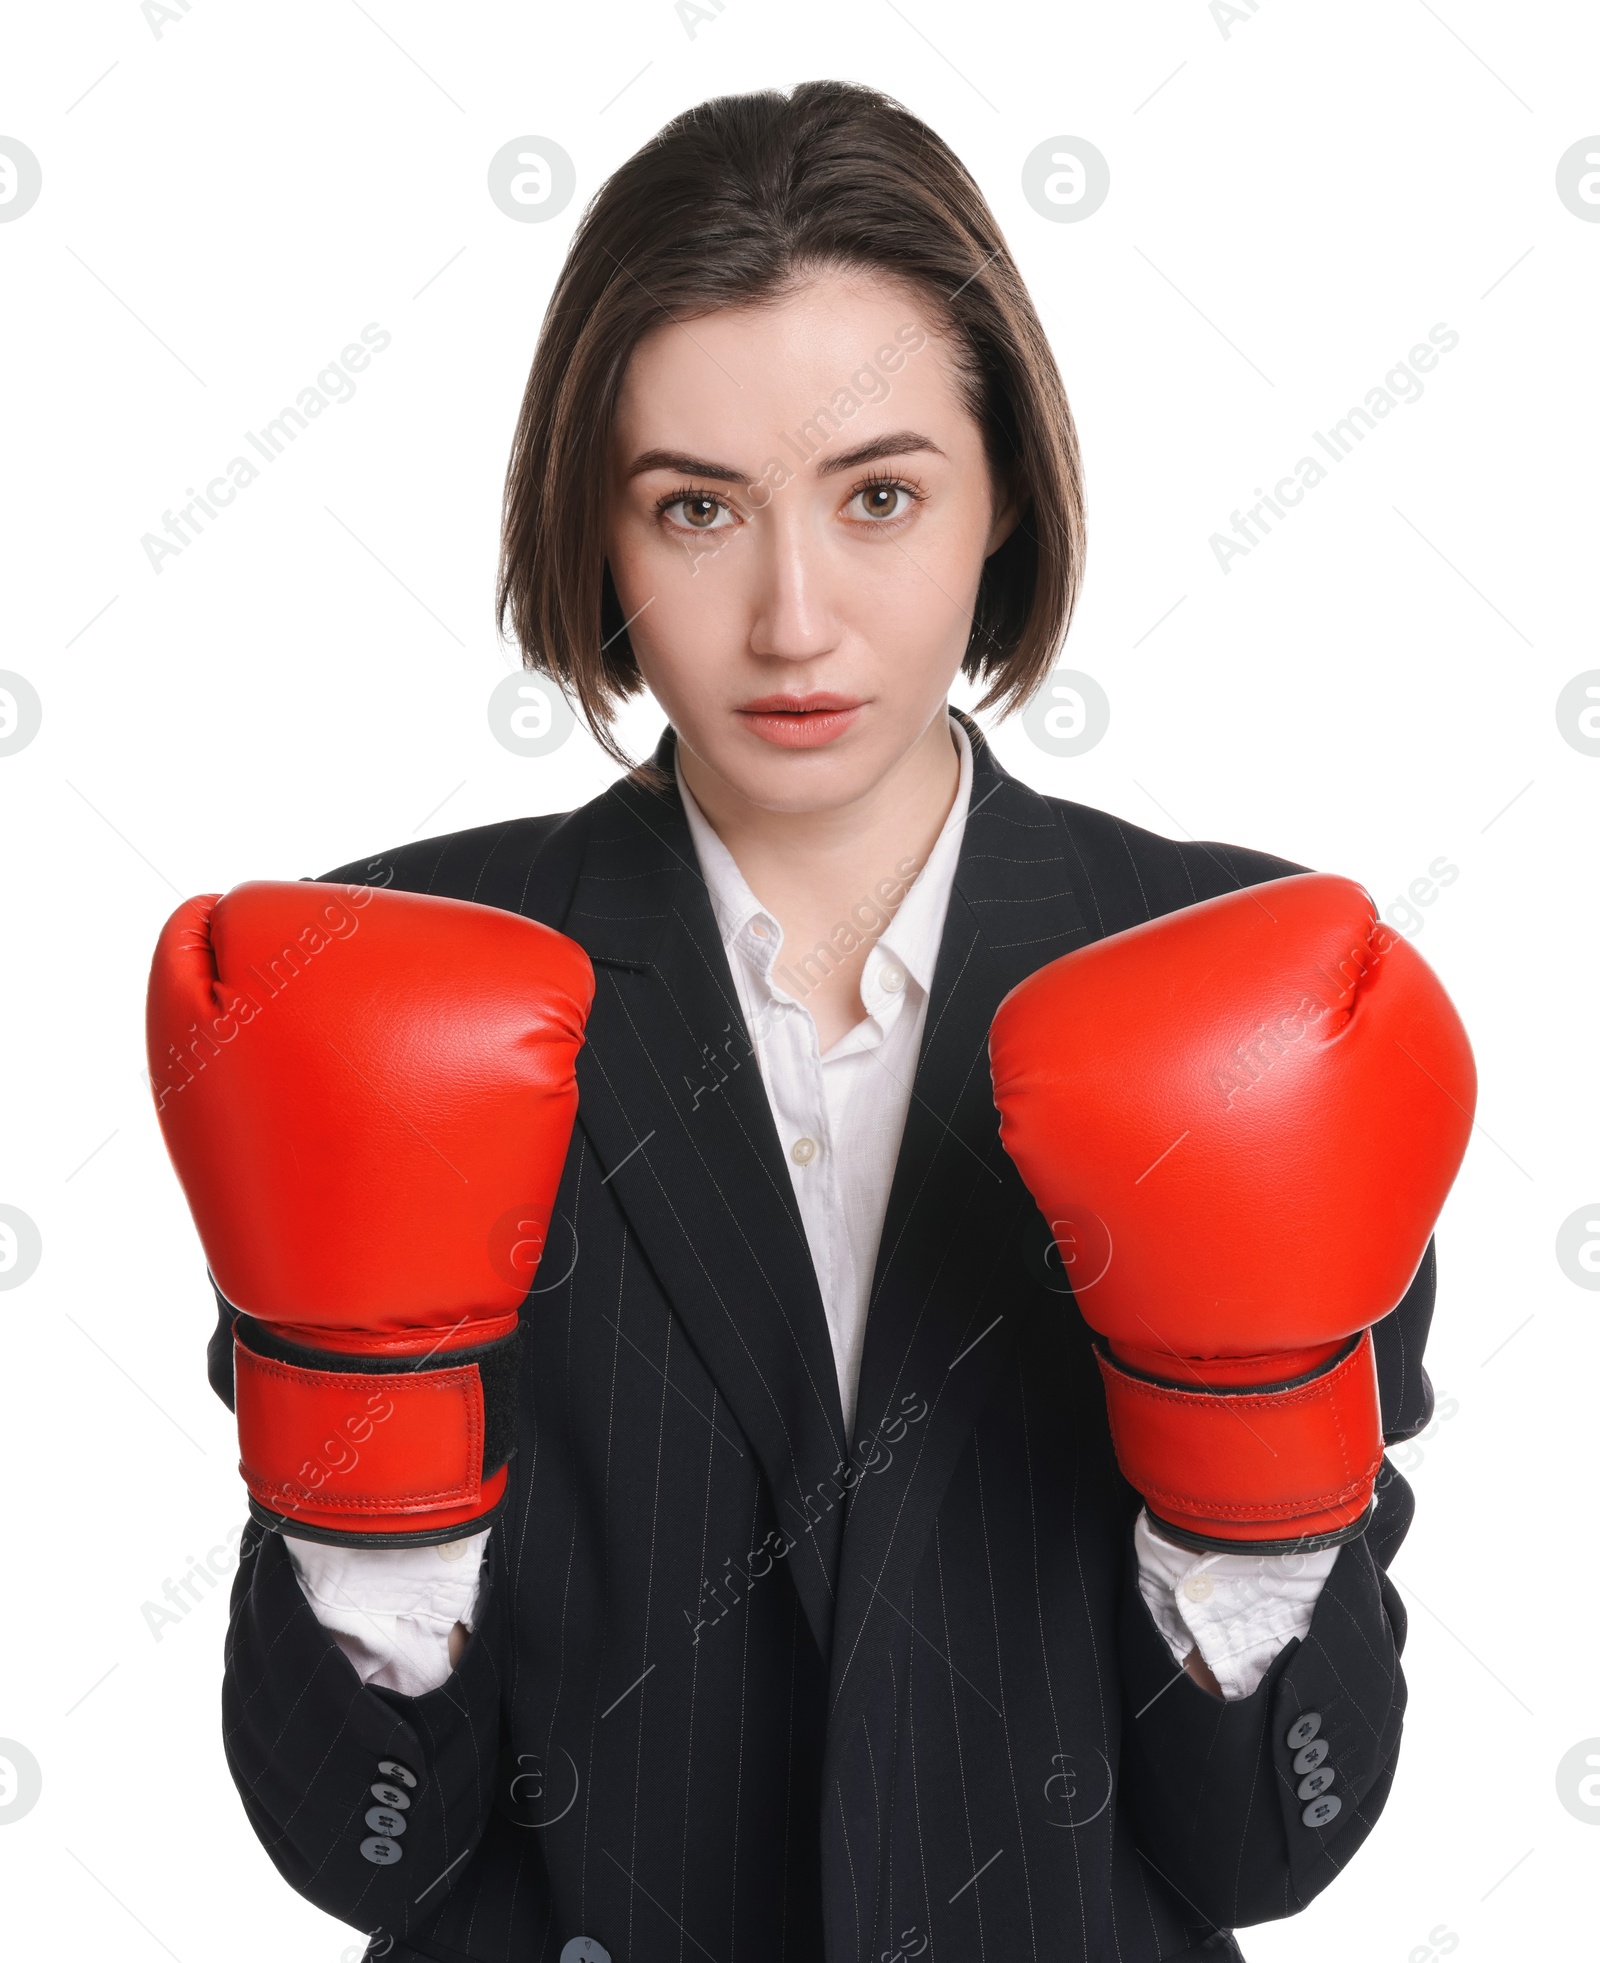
[839,1115]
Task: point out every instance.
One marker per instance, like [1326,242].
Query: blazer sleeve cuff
[369,1802]
[1215,1788]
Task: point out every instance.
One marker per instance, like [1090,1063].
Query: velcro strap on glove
[1280,1468]
[367,1449]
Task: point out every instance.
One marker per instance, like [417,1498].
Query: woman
[815,1617]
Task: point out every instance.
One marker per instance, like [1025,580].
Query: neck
[809,869]
[827,852]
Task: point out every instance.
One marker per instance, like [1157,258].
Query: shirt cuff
[391,1609]
[1238,1610]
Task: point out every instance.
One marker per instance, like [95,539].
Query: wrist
[1234,1612]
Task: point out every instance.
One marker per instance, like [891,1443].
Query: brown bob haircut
[732,204]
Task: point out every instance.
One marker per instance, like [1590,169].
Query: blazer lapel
[961,1232]
[671,1098]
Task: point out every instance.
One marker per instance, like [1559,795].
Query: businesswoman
[799,1607]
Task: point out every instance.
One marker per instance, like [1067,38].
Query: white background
[1293,204]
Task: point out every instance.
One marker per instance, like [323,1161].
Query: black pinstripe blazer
[743,1687]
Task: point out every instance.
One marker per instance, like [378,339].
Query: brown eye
[886,499]
[696,511]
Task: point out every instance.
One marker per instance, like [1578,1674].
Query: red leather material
[1258,1465]
[1241,1121]
[368,1098]
[350,1442]
[391,1529]
[355,1085]
[1262,1190]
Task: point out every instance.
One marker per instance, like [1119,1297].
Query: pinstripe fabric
[743,1687]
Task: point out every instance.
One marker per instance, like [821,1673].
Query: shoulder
[525,865]
[1129,874]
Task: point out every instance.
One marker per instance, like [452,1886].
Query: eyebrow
[897,443]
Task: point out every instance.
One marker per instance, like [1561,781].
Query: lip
[800,722]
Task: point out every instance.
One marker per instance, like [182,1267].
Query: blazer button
[584,1949]
[1312,1756]
[1303,1730]
[380,1851]
[393,1769]
[1322,1810]
[1310,1787]
[383,1821]
[394,1796]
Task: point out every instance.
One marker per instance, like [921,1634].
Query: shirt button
[759,929]
[803,1151]
[1198,1588]
[452,1550]
[892,978]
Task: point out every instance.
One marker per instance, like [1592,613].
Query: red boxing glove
[368,1098]
[1241,1121]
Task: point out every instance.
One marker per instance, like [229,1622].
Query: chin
[776,785]
[781,780]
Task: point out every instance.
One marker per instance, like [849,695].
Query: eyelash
[874,480]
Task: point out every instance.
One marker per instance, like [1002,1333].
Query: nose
[793,617]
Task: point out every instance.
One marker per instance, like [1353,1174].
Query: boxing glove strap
[1285,1467]
[375,1441]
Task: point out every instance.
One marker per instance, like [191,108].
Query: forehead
[845,341]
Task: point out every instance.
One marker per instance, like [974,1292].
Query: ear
[1008,505]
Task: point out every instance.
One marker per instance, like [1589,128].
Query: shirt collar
[914,934]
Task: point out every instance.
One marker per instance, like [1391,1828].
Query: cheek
[913,624]
[689,611]
[916,595]
[654,568]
